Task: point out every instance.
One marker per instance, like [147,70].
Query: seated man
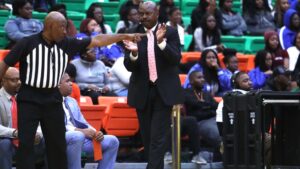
[188,125]
[241,83]
[80,133]
[202,105]
[8,120]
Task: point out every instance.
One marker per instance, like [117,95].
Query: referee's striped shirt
[42,65]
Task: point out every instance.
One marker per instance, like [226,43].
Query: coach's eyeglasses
[15,80]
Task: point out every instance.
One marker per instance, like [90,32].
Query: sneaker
[168,158]
[198,159]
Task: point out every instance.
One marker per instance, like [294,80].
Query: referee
[43,58]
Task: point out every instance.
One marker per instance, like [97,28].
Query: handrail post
[176,136]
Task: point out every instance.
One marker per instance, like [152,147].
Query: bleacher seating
[77,5]
[4,16]
[186,21]
[112,20]
[39,15]
[110,8]
[187,42]
[92,113]
[244,44]
[121,119]
[238,43]
[76,17]
[190,56]
[3,39]
[187,6]
[182,78]
[246,62]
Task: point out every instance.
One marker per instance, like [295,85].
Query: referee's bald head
[55,27]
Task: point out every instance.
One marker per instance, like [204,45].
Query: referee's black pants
[51,116]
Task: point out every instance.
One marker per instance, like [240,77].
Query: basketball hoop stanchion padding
[176,146]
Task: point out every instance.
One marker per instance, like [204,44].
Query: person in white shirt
[175,19]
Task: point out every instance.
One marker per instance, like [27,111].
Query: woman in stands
[164,9]
[280,57]
[232,22]
[89,27]
[208,35]
[231,62]
[175,21]
[258,17]
[91,77]
[288,32]
[205,6]
[95,12]
[281,7]
[22,25]
[131,19]
[262,70]
[209,64]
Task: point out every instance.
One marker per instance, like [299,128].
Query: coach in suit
[8,129]
[154,84]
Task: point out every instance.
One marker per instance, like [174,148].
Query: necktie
[70,112]
[14,115]
[78,124]
[151,57]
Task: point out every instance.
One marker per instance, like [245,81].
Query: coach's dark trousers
[155,123]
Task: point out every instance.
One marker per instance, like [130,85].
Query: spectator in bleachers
[92,76]
[127,5]
[209,64]
[231,62]
[281,7]
[263,69]
[22,25]
[80,135]
[95,12]
[232,22]
[258,17]
[164,8]
[279,80]
[208,36]
[71,71]
[241,83]
[202,105]
[107,54]
[43,5]
[294,52]
[131,19]
[118,80]
[204,7]
[8,121]
[288,32]
[280,57]
[71,29]
[175,21]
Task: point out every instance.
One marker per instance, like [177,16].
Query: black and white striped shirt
[41,64]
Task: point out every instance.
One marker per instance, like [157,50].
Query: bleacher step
[167,166]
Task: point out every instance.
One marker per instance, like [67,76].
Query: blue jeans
[77,143]
[8,151]
[209,132]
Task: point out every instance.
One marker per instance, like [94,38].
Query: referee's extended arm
[107,39]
